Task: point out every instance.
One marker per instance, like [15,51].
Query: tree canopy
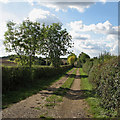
[31,38]
[57,43]
[82,58]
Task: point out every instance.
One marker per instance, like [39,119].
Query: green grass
[60,92]
[37,108]
[94,102]
[24,92]
[70,80]
[54,98]
[50,104]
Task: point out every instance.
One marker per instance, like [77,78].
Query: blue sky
[93,26]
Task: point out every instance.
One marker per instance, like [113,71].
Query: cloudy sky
[93,25]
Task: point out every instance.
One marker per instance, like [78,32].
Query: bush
[15,77]
[71,59]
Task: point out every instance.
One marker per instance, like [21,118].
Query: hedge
[106,80]
[14,77]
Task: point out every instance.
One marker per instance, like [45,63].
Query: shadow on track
[76,76]
[69,93]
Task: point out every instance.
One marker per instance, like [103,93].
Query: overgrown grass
[15,96]
[94,102]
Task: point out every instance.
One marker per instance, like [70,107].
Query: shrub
[71,59]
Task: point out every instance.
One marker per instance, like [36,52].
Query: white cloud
[94,47]
[88,47]
[5,17]
[77,35]
[80,6]
[85,37]
[100,28]
[4,1]
[32,1]
[79,31]
[43,16]
[38,13]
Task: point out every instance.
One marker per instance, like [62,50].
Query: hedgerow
[15,77]
[87,66]
[105,77]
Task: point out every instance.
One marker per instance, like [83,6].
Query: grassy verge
[60,92]
[94,102]
[24,92]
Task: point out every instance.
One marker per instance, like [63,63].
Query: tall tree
[23,40]
[57,43]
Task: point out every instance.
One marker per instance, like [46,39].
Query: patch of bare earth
[33,106]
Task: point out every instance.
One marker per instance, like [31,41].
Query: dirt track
[73,106]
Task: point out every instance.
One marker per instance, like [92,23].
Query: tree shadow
[71,94]
[76,76]
[83,76]
[70,75]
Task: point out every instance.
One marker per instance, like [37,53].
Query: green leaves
[107,83]
[56,43]
[22,39]
[71,59]
[83,57]
[30,38]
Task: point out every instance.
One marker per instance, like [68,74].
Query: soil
[72,106]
